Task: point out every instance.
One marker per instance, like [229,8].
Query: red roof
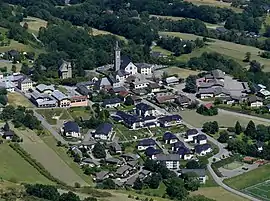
[123,93]
[208,105]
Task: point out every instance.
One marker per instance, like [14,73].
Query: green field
[14,168]
[181,72]
[34,24]
[51,115]
[223,119]
[261,190]
[48,158]
[233,165]
[250,178]
[77,112]
[232,50]
[17,99]
[125,134]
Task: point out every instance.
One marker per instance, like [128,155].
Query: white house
[146,143]
[200,139]
[71,129]
[255,101]
[112,103]
[144,69]
[190,134]
[104,131]
[170,138]
[202,150]
[199,172]
[171,161]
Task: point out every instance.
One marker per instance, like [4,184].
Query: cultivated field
[34,24]
[224,119]
[218,193]
[17,99]
[181,72]
[233,50]
[250,178]
[261,190]
[215,3]
[14,168]
[40,151]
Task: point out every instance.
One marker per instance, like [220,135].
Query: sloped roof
[104,129]
[71,126]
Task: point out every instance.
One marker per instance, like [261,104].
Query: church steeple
[117,57]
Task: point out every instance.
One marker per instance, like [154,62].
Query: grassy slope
[250,178]
[232,50]
[17,99]
[14,167]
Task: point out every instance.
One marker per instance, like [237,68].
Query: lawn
[233,165]
[14,168]
[17,99]
[77,112]
[261,190]
[160,49]
[223,119]
[215,3]
[181,72]
[159,192]
[125,134]
[218,193]
[34,24]
[62,153]
[45,155]
[51,115]
[250,178]
[232,50]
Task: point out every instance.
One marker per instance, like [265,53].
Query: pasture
[223,119]
[261,190]
[50,160]
[250,178]
[34,24]
[16,99]
[14,168]
[232,50]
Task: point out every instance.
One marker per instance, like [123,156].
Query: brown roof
[163,99]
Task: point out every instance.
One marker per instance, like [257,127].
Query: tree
[251,130]
[99,151]
[255,67]
[138,184]
[8,113]
[223,137]
[25,25]
[238,128]
[247,57]
[70,196]
[191,86]
[6,127]
[191,181]
[176,188]
[14,68]
[25,69]
[210,127]
[153,180]
[3,99]
[108,184]
[192,164]
[3,91]
[43,191]
[129,101]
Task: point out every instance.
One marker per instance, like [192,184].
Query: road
[222,151]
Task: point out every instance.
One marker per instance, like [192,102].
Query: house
[139,83]
[144,69]
[47,89]
[221,30]
[259,146]
[254,101]
[8,135]
[144,110]
[43,100]
[184,153]
[170,120]
[177,145]
[123,171]
[76,151]
[171,161]
[152,152]
[101,176]
[190,134]
[62,99]
[215,75]
[129,120]
[130,156]
[133,164]
[71,129]
[65,70]
[149,121]
[202,150]
[213,92]
[144,173]
[200,139]
[157,54]
[169,138]
[25,84]
[90,162]
[165,99]
[111,103]
[145,143]
[104,131]
[171,80]
[121,76]
[201,173]
[103,84]
[229,100]
[114,161]
[8,85]
[263,93]
[88,145]
[78,101]
[13,54]
[182,100]
[153,87]
[115,148]
[130,182]
[83,90]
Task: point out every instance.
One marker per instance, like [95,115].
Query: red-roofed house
[208,105]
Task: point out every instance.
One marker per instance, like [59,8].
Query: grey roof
[82,89]
[215,91]
[116,146]
[154,85]
[130,156]
[143,65]
[199,172]
[253,99]
[58,95]
[89,143]
[104,129]
[125,60]
[36,95]
[122,73]
[64,66]
[111,101]
[181,99]
[25,80]
[213,83]
[192,131]
[131,180]
[122,169]
[113,160]
[217,74]
[90,160]
[132,163]
[168,157]
[101,175]
[44,87]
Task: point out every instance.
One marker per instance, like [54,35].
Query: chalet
[87,145]
[254,101]
[202,150]
[145,143]
[149,121]
[130,156]
[200,139]
[83,90]
[111,103]
[169,138]
[144,110]
[152,152]
[62,99]
[144,173]
[129,120]
[47,89]
[170,120]
[115,148]
[182,100]
[104,131]
[103,84]
[123,171]
[130,182]
[153,87]
[190,134]
[165,99]
[215,75]
[201,173]
[263,93]
[139,83]
[171,80]
[213,92]
[171,161]
[71,129]
[144,69]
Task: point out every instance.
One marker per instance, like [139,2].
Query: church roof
[64,66]
[125,60]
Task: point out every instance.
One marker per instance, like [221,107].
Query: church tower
[117,57]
